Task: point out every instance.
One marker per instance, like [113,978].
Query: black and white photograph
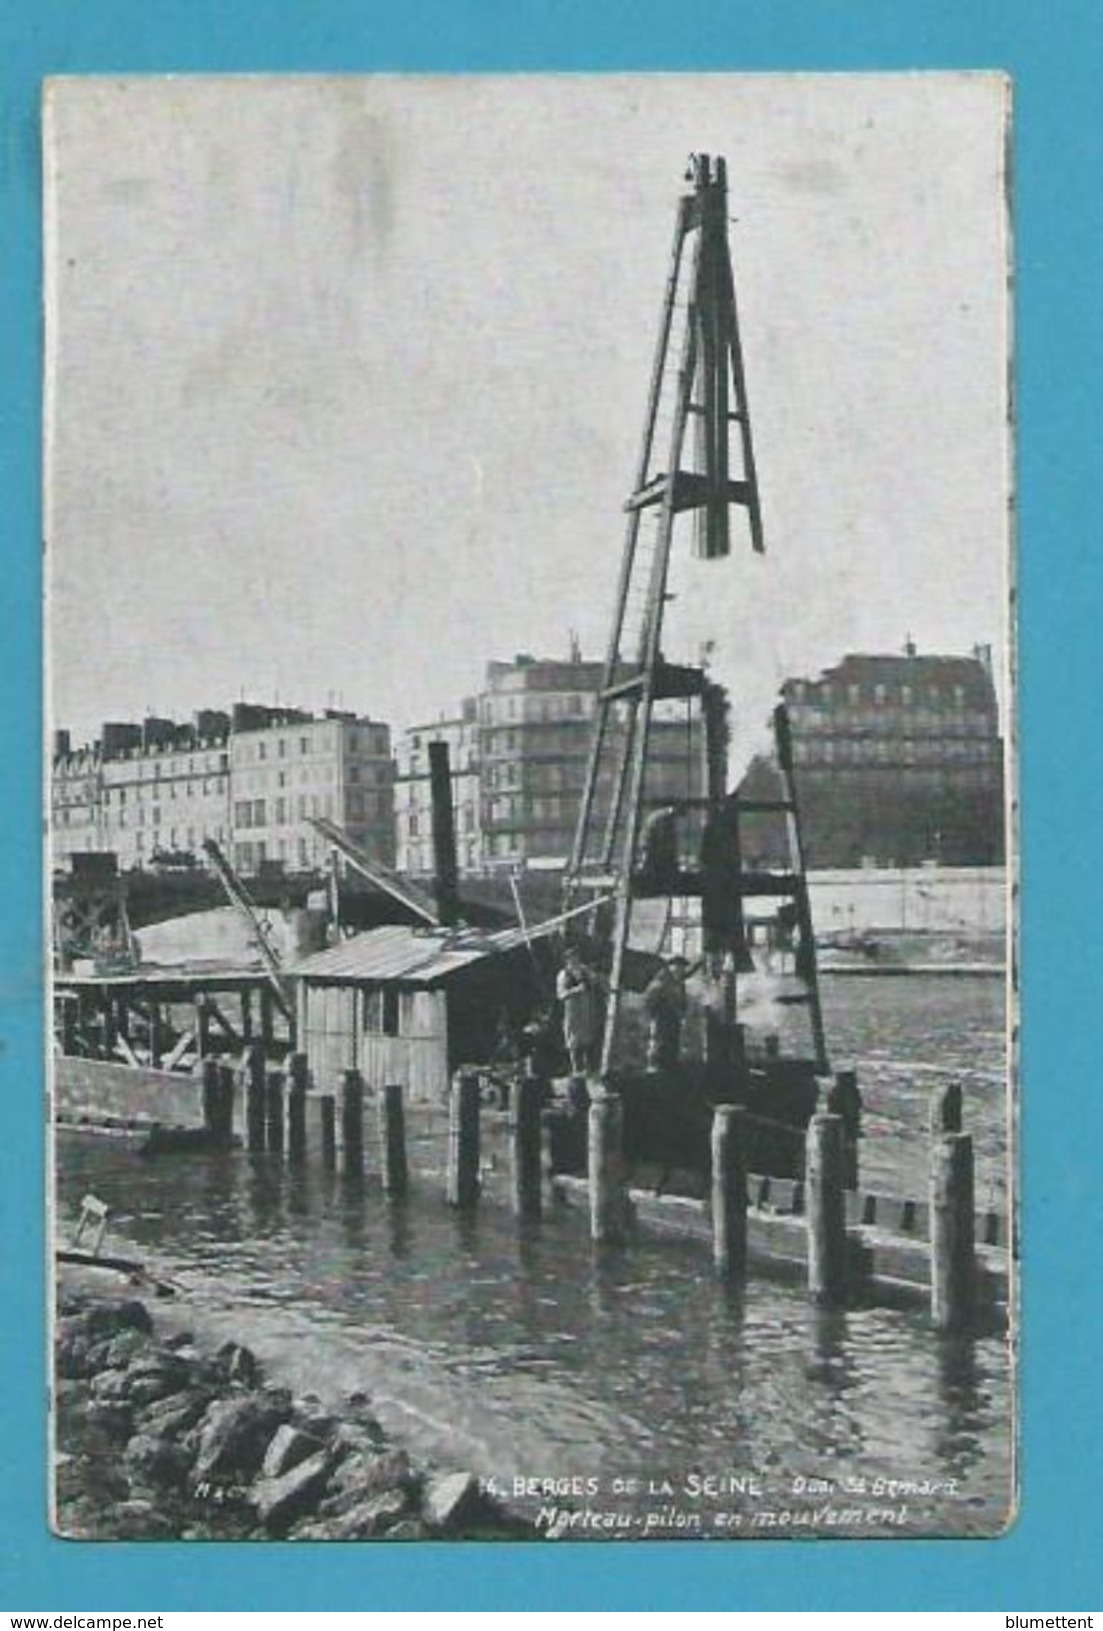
[531,814]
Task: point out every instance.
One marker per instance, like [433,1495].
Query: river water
[622,1393]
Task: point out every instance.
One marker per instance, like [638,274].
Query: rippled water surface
[623,1393]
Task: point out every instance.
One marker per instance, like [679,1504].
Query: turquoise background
[1050,1560]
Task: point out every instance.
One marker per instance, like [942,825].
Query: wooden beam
[183,1043]
[122,1045]
[223,1023]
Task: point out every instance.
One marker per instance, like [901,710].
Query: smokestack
[446,882]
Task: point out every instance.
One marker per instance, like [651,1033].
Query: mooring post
[297,1082]
[255,1097]
[729,1189]
[605,1166]
[526,1134]
[350,1151]
[825,1208]
[845,1101]
[274,1112]
[953,1249]
[392,1140]
[946,1109]
[463,1139]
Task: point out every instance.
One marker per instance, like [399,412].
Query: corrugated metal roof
[412,955]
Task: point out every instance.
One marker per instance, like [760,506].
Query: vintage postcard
[531,807]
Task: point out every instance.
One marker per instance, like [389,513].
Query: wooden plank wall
[335,1037]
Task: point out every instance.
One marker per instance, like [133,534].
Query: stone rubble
[158,1440]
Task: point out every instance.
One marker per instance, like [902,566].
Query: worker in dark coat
[665,1003]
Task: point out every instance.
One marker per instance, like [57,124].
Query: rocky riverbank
[157,1439]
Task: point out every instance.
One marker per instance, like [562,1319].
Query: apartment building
[294,766]
[898,760]
[519,755]
[150,792]
[249,778]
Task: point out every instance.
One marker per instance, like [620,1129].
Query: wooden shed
[412,1005]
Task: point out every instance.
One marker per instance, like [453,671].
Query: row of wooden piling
[278,1109]
[828,1175]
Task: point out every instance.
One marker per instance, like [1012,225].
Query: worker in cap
[576,989]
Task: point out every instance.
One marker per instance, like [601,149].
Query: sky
[346,378]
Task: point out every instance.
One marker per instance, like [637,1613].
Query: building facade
[149,793]
[248,779]
[413,805]
[519,755]
[898,761]
[295,766]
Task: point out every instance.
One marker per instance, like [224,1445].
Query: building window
[282,747]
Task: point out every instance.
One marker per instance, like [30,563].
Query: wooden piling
[463,1140]
[297,1084]
[844,1100]
[350,1149]
[526,1131]
[274,1112]
[953,1249]
[605,1167]
[267,1027]
[202,1026]
[156,1034]
[946,1110]
[825,1207]
[209,1077]
[255,1098]
[392,1140]
[321,1112]
[729,1190]
[68,1024]
[227,1099]
[550,1136]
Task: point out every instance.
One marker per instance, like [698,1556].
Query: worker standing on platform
[576,989]
[665,1003]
